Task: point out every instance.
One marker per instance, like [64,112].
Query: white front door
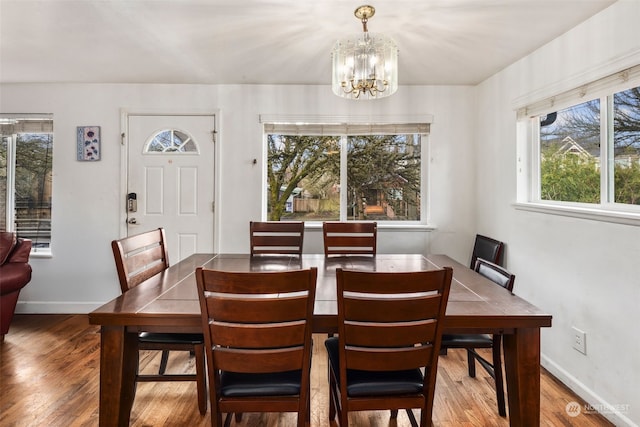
[170,180]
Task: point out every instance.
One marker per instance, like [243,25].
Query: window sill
[381,226]
[41,254]
[618,217]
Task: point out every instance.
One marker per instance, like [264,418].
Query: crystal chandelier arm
[354,89]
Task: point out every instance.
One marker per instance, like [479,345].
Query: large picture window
[586,146]
[336,172]
[26,153]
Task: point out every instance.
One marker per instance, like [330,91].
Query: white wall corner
[612,411]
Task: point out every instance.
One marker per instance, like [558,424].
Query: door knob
[132,221]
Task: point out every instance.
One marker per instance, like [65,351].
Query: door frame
[124,161]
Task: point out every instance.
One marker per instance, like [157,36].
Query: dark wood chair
[471,342]
[276,237]
[389,331]
[350,238]
[258,340]
[486,248]
[139,258]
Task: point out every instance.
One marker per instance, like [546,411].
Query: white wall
[87,195]
[585,273]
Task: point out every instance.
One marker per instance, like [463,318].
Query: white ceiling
[447,42]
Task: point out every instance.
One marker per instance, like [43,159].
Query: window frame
[23,124]
[355,126]
[528,151]
[173,131]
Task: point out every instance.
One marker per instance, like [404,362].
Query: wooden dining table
[168,302]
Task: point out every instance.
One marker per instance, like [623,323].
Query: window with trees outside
[26,152]
[345,172]
[587,146]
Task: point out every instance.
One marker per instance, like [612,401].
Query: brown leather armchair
[15,273]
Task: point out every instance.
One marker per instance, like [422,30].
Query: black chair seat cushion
[166,338]
[234,384]
[374,383]
[467,340]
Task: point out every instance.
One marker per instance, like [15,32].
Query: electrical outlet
[579,340]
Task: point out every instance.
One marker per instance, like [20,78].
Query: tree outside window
[382,175]
[26,154]
[626,145]
[571,153]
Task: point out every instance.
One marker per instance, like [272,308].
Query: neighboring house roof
[572,147]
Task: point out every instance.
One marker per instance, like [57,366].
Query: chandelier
[365,65]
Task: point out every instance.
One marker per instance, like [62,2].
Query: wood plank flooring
[49,376]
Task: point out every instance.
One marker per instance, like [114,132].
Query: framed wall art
[88,143]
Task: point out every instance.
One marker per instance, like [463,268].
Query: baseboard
[614,412]
[58,307]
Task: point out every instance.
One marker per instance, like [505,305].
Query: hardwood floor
[49,376]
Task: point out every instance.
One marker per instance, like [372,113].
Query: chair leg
[497,369]
[332,393]
[332,399]
[201,378]
[426,417]
[303,420]
[344,417]
[471,361]
[338,407]
[412,418]
[309,411]
[216,415]
[163,362]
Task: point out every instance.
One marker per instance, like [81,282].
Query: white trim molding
[618,217]
[612,412]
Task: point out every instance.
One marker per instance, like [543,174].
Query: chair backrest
[258,323]
[276,237]
[392,322]
[346,238]
[140,257]
[486,248]
[495,273]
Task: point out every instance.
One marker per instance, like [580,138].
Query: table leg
[118,367]
[522,368]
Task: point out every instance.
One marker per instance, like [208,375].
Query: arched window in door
[171,141]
